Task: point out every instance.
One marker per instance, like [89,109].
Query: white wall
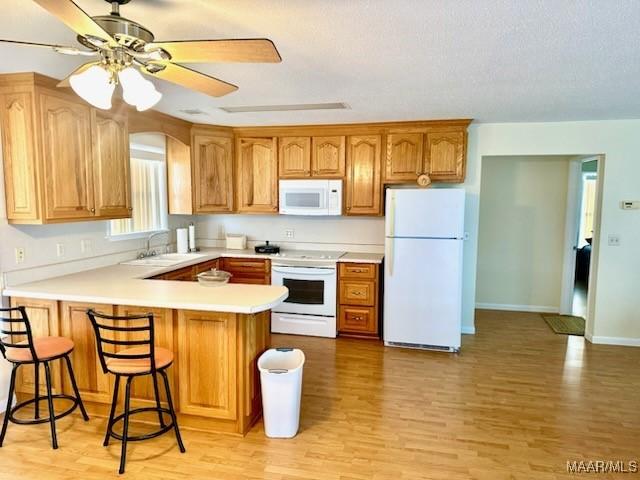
[313,233]
[521,232]
[615,317]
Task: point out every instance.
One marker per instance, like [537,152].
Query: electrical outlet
[614,240]
[60,250]
[289,233]
[19,254]
[85,246]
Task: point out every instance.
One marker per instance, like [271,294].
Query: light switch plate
[630,204]
[289,233]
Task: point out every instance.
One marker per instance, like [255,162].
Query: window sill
[134,235]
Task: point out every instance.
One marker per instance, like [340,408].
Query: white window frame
[164,208]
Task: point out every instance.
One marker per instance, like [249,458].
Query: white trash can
[281,383]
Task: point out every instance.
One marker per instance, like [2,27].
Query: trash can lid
[281,360]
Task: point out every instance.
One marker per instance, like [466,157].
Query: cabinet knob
[130,209]
[93,210]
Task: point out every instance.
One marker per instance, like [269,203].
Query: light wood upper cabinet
[63,160]
[403,159]
[445,155]
[363,186]
[294,157]
[179,181]
[257,175]
[20,161]
[328,157]
[67,158]
[111,167]
[212,173]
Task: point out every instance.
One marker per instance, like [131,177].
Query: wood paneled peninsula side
[216,334]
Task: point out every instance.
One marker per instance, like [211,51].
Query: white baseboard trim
[517,308]
[468,330]
[621,341]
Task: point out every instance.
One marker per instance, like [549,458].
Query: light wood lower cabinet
[142,387]
[43,316]
[93,384]
[214,378]
[358,299]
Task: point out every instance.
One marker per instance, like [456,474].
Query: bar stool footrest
[35,421]
[137,438]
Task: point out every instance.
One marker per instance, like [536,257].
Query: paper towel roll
[192,238]
[182,235]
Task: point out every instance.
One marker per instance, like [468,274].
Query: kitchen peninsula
[216,334]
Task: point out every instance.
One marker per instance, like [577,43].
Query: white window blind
[148,199]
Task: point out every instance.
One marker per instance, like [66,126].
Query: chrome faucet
[148,252]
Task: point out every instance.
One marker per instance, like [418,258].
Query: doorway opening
[584,239]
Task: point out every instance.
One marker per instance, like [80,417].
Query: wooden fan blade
[65,81]
[253,50]
[191,79]
[76,19]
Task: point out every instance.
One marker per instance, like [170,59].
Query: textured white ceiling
[492,60]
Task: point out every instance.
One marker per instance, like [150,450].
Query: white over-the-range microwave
[311,197]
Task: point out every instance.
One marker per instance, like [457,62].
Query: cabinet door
[94,385]
[404,157]
[67,158]
[112,178]
[208,364]
[328,157]
[445,156]
[142,388]
[179,183]
[212,173]
[43,316]
[19,152]
[294,157]
[363,175]
[257,173]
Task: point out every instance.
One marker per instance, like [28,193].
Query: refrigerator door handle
[388,257]
[392,214]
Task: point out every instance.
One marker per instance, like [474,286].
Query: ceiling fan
[124,48]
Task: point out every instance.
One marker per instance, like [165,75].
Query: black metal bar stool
[36,351]
[135,358]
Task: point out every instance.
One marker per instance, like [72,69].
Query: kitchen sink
[166,260]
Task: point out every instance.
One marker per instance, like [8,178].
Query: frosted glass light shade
[138,91]
[94,85]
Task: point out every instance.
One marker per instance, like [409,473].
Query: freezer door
[423,292]
[425,213]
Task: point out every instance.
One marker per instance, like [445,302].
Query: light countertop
[129,285]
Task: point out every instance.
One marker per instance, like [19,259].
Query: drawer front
[204,266]
[184,274]
[248,265]
[358,270]
[251,279]
[357,293]
[358,320]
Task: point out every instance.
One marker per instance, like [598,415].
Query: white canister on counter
[192,238]
[182,239]
[236,241]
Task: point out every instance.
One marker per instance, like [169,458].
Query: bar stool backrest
[113,334]
[12,325]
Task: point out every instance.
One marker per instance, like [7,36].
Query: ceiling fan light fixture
[95,86]
[138,91]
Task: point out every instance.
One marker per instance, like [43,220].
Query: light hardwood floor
[517,403]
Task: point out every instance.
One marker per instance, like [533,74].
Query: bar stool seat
[128,366]
[46,348]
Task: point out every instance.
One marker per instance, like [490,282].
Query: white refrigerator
[423,268]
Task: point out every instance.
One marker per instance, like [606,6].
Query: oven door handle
[304,271]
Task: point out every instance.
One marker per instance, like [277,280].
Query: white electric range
[311,277]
